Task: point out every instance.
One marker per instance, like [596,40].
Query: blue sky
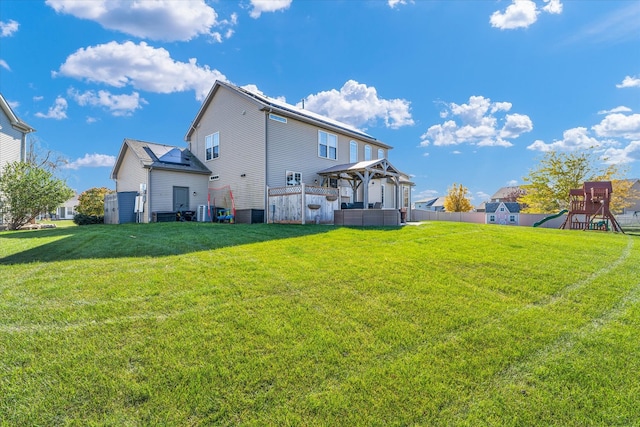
[469,92]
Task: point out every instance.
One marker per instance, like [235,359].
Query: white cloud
[260,6]
[629,81]
[619,126]
[553,6]
[393,3]
[513,183]
[92,161]
[572,139]
[4,65]
[477,123]
[610,130]
[515,125]
[58,111]
[620,109]
[140,66]
[358,104]
[157,20]
[628,154]
[118,105]
[519,14]
[523,13]
[481,195]
[8,28]
[620,25]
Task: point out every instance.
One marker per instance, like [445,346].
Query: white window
[353,152]
[512,218]
[492,218]
[380,153]
[367,152]
[501,209]
[294,178]
[212,146]
[327,145]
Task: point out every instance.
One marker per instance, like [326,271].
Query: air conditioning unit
[202,214]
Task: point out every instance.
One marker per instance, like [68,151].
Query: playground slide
[543,220]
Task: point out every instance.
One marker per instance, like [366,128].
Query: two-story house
[250,143]
[13,137]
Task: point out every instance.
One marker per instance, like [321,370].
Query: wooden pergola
[362,173]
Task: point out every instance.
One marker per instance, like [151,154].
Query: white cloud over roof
[58,111]
[358,105]
[92,161]
[479,122]
[8,28]
[141,66]
[523,13]
[157,20]
[260,6]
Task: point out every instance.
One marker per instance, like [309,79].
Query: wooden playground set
[589,208]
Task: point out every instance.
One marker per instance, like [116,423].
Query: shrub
[82,219]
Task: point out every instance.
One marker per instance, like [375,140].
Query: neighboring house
[505,213]
[68,209]
[436,204]
[13,138]
[252,143]
[167,178]
[507,194]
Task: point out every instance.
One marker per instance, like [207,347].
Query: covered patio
[359,176]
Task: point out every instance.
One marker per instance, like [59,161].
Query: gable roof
[507,192]
[15,121]
[282,108]
[512,207]
[160,156]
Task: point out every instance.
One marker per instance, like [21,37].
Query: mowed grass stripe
[264,325]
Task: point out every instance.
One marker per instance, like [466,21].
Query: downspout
[266,165]
[149,194]
[23,148]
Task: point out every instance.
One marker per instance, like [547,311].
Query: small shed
[119,208]
[504,213]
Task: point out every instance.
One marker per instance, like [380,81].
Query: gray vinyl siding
[10,142]
[162,183]
[135,174]
[293,146]
[241,125]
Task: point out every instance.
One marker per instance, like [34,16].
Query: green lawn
[265,325]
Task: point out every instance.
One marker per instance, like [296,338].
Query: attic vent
[277,118]
[214,177]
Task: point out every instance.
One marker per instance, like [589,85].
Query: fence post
[304,198]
